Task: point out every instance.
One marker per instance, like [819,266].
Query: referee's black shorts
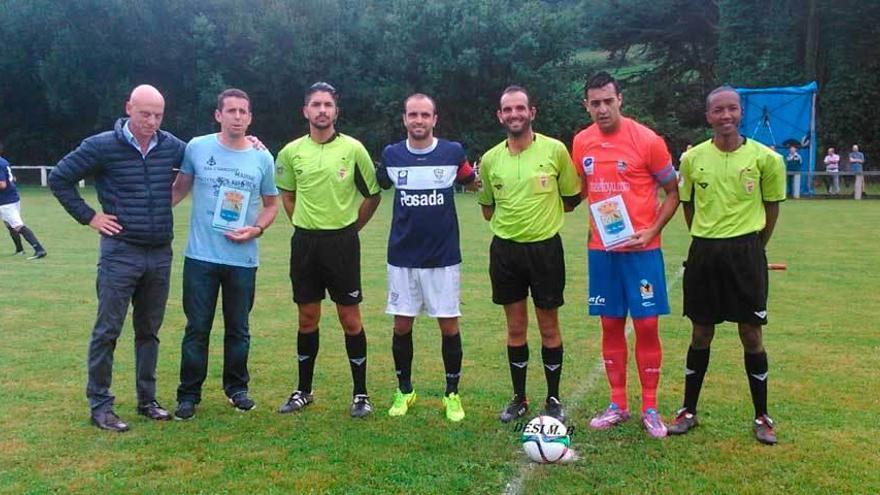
[517,267]
[326,260]
[726,280]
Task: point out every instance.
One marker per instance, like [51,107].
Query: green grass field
[823,346]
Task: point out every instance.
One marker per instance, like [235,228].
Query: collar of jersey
[719,150]
[332,138]
[534,138]
[424,151]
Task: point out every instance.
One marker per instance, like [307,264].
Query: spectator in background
[832,166]
[856,165]
[793,163]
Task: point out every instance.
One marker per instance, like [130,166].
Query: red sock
[649,357]
[614,353]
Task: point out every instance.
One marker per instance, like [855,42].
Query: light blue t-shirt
[243,174]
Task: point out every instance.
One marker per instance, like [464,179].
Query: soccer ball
[545,440]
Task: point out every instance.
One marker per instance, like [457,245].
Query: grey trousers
[140,276]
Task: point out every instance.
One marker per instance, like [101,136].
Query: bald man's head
[145,108]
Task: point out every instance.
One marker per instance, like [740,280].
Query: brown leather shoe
[109,421]
[154,411]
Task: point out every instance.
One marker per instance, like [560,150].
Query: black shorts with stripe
[726,280]
[326,260]
[515,268]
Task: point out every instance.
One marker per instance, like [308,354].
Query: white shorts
[11,214]
[434,291]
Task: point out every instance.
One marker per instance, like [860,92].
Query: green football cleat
[402,403]
[454,411]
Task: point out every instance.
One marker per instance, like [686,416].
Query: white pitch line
[515,486]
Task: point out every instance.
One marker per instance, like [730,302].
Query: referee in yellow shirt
[329,190]
[730,188]
[528,181]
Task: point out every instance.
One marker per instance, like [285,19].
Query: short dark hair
[321,86]
[232,93]
[720,89]
[420,96]
[513,88]
[600,80]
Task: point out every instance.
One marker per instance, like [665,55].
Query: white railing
[44,173]
[858,185]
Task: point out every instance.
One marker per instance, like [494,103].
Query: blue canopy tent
[780,117]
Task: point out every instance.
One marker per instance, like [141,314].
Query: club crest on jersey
[438,175]
[748,183]
[646,289]
[402,176]
[621,166]
[587,163]
[342,173]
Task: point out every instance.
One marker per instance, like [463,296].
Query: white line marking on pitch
[515,486]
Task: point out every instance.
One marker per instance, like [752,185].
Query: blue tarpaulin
[780,117]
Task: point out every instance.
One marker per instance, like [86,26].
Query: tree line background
[67,67]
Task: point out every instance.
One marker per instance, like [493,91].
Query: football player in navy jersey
[424,257]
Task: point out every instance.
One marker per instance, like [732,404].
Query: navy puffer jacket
[135,189]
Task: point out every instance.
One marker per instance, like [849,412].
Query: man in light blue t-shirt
[230,181]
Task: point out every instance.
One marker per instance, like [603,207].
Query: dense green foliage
[68,66]
[687,47]
[76,61]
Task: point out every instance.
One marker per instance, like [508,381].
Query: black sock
[552,369]
[451,350]
[756,369]
[16,238]
[30,237]
[519,364]
[697,364]
[356,347]
[307,352]
[402,350]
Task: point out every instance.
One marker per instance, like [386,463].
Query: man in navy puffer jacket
[133,169]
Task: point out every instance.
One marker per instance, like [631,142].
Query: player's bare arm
[366,210]
[288,200]
[488,211]
[474,185]
[771,212]
[688,208]
[181,187]
[264,220]
[569,203]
